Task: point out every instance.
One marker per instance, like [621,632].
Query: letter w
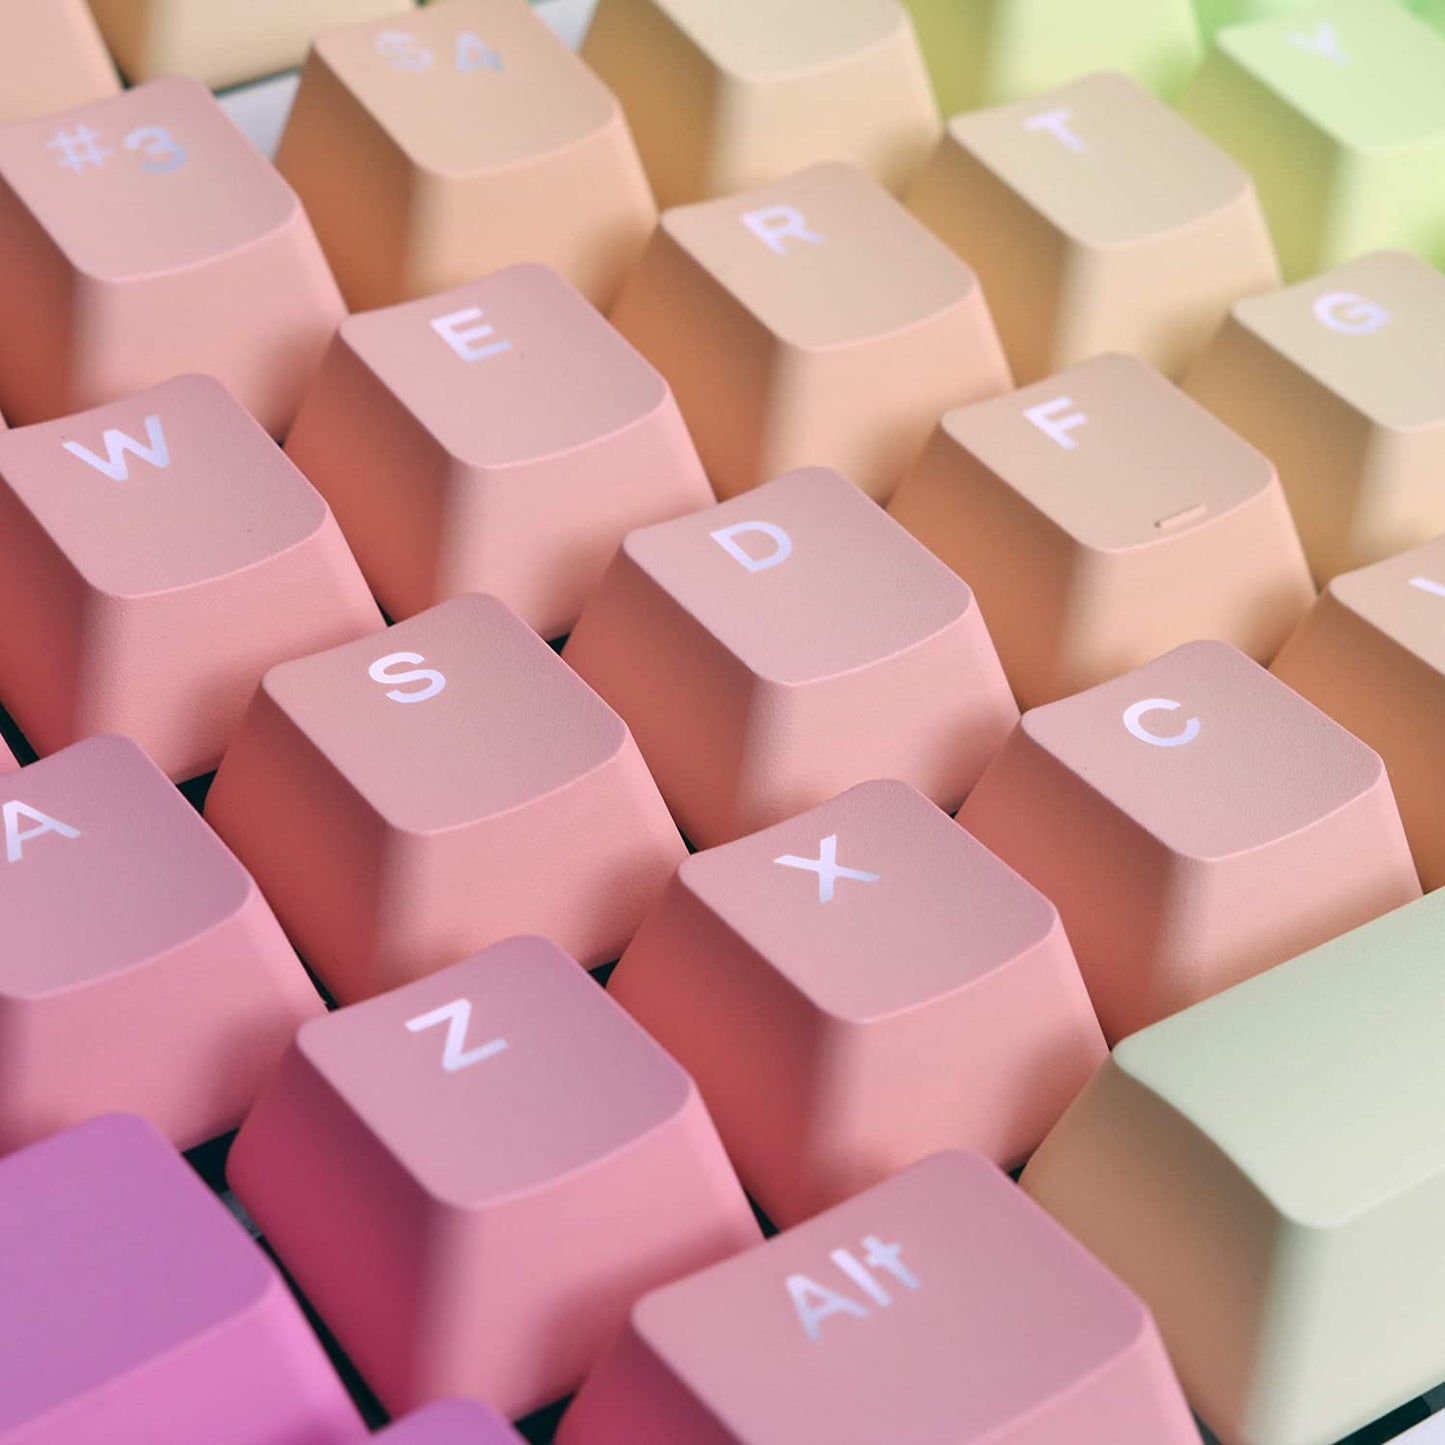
[117,444]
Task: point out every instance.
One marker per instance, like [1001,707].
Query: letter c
[1134,715]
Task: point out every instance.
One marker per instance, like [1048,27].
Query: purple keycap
[450,1422]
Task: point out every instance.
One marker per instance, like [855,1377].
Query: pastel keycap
[1372,655]
[1265,1169]
[1428,1432]
[462,138]
[450,1422]
[1101,518]
[837,329]
[409,798]
[501,438]
[1338,113]
[1196,822]
[725,97]
[940,1305]
[1337,379]
[1096,220]
[778,648]
[509,1159]
[142,969]
[142,237]
[51,58]
[1214,15]
[138,1311]
[859,987]
[7,758]
[157,555]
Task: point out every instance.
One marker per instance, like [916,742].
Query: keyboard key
[723,98]
[1214,15]
[1338,113]
[468,137]
[1264,1169]
[137,1311]
[409,798]
[838,329]
[499,438]
[857,988]
[772,651]
[51,58]
[1068,504]
[1097,220]
[509,1159]
[1196,822]
[1337,380]
[7,759]
[156,556]
[451,1422]
[939,1305]
[143,237]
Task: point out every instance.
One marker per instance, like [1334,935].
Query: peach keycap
[1372,655]
[498,438]
[781,647]
[156,556]
[939,1306]
[837,329]
[1101,518]
[463,138]
[411,797]
[1338,380]
[724,97]
[474,1176]
[451,1422]
[857,988]
[1196,822]
[51,58]
[141,969]
[1097,220]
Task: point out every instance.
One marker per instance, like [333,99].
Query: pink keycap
[941,1307]
[144,236]
[776,649]
[474,1176]
[137,1311]
[499,438]
[451,1422]
[856,988]
[157,555]
[141,968]
[7,759]
[412,797]
[1197,822]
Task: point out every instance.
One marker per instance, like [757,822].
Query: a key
[1265,1170]
[138,1312]
[938,1305]
[837,329]
[409,798]
[501,438]
[433,149]
[857,988]
[451,1422]
[51,58]
[722,98]
[1196,822]
[1097,220]
[772,651]
[1101,518]
[157,555]
[1337,380]
[472,1177]
[1372,655]
[1338,113]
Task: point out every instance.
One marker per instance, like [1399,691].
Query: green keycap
[1216,14]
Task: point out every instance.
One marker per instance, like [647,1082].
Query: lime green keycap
[1338,111]
[1216,14]
[1432,11]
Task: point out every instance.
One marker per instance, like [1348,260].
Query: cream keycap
[474,1176]
[1096,220]
[778,648]
[725,97]
[859,987]
[1372,655]
[1266,1170]
[432,150]
[156,556]
[411,797]
[51,58]
[1338,380]
[837,329]
[501,438]
[1196,822]
[1338,113]
[1101,518]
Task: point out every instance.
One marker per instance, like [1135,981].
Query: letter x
[825,865]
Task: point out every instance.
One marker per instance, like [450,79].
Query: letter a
[815,1302]
[16,838]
